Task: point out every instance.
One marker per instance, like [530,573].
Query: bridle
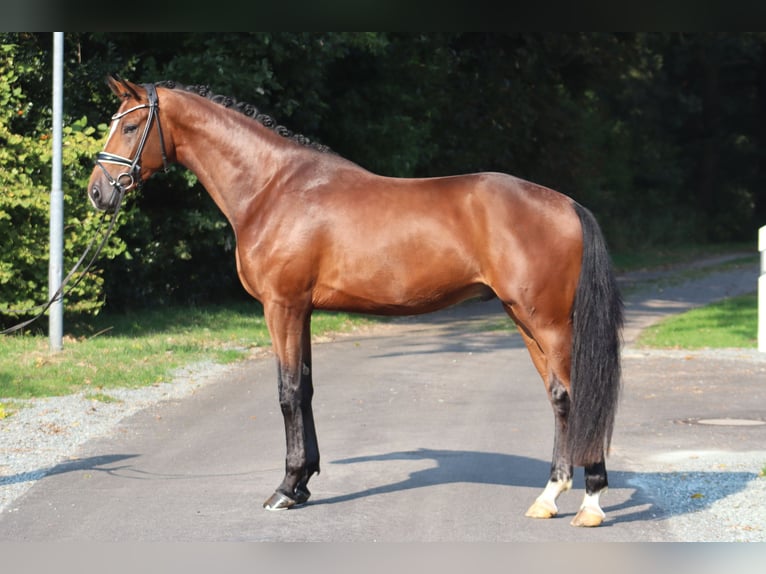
[133,174]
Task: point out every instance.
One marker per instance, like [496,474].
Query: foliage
[25,180]
[662,135]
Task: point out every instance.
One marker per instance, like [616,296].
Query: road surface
[430,429]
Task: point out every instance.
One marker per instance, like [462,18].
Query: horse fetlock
[302,494]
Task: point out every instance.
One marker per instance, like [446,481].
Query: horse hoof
[279,501]
[588,518]
[542,509]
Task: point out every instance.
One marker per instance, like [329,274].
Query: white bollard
[762,291]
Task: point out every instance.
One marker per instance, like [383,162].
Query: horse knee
[289,403]
[289,392]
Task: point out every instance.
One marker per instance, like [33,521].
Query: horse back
[349,239]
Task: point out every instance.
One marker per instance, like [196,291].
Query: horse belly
[379,285]
[382,303]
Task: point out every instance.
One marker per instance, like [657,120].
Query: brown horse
[316,231]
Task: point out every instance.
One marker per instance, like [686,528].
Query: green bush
[25,183]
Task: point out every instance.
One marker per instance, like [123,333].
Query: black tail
[597,317]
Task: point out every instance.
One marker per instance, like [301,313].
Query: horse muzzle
[106,196]
[107,192]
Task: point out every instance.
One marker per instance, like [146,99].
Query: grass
[137,349]
[728,323]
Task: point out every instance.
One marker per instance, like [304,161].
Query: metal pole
[762,291]
[56,265]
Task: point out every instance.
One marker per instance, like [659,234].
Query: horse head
[134,149]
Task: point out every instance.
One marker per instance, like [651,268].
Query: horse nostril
[95,192]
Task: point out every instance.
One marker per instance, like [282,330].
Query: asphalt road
[430,429]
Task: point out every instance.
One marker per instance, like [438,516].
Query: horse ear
[123,89]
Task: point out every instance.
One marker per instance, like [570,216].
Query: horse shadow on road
[641,495]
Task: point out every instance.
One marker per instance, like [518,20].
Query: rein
[118,194]
[59,294]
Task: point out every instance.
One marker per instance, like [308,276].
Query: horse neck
[233,156]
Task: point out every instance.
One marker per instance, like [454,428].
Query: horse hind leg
[553,367]
[596,484]
[590,513]
[560,479]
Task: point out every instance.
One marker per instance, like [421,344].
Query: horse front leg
[290,332]
[307,413]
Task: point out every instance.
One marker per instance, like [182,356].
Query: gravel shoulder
[708,494]
[707,478]
[46,432]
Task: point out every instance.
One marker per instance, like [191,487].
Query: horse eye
[129,128]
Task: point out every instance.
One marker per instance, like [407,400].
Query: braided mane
[247,109]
